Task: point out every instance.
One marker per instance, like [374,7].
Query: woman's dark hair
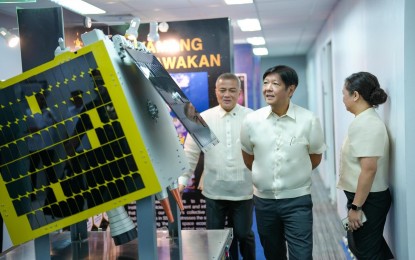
[367,85]
[287,74]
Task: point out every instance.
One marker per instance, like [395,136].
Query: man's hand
[315,160]
[181,189]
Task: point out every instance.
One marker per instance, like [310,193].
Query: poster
[243,97]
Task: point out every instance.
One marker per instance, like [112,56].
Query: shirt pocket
[298,141]
[297,146]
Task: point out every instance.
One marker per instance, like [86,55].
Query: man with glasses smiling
[226,183]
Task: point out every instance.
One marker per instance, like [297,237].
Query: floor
[327,231]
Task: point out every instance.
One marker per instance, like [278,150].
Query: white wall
[11,64]
[376,36]
[404,186]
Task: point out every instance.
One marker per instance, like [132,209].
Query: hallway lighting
[249,25]
[17,1]
[260,51]
[11,39]
[132,31]
[79,6]
[238,2]
[256,40]
[163,27]
[153,35]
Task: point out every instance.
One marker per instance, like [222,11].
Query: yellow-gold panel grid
[57,185]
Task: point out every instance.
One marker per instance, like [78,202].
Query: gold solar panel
[70,147]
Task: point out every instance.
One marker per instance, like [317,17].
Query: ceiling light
[238,2]
[260,51]
[17,1]
[132,31]
[256,40]
[79,6]
[163,27]
[11,39]
[249,25]
[153,35]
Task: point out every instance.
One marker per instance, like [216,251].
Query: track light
[11,39]
[163,27]
[132,31]
[153,35]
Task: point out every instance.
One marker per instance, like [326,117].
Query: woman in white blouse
[364,167]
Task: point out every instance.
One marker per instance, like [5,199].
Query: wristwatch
[354,207]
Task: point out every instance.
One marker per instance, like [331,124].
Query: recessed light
[256,40]
[249,25]
[17,1]
[260,51]
[79,6]
[238,2]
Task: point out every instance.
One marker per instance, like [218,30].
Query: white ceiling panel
[289,26]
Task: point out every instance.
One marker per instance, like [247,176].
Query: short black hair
[288,75]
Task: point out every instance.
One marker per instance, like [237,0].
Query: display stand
[42,247]
[200,244]
[175,233]
[147,236]
[79,231]
[147,244]
[150,244]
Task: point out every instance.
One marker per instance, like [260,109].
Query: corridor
[328,232]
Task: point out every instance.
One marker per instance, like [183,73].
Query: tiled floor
[327,231]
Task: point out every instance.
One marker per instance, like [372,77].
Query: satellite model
[61,163]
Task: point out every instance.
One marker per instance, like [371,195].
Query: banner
[39,31]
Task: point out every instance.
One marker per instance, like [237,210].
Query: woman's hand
[355,219]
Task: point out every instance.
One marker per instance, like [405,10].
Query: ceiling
[288,26]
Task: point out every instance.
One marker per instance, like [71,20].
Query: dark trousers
[240,217]
[285,221]
[368,242]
